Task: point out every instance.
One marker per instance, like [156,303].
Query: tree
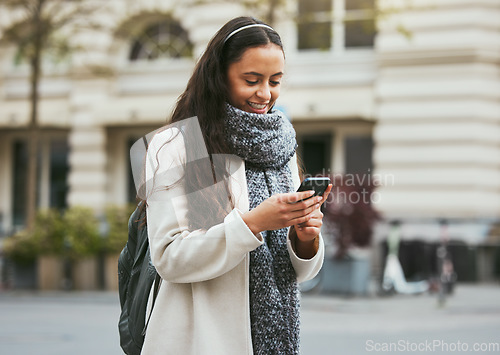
[267,8]
[35,31]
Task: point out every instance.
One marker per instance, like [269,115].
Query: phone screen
[317,184]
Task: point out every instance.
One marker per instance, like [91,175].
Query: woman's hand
[283,210]
[310,229]
[305,233]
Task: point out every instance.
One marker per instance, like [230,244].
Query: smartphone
[317,184]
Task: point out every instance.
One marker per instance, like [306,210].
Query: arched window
[166,39]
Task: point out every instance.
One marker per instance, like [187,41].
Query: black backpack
[136,275]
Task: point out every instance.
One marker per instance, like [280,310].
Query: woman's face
[254,81]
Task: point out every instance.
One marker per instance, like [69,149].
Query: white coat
[203,302]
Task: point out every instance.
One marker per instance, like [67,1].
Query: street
[404,324]
[86,323]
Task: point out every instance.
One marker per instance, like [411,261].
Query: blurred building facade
[415,104]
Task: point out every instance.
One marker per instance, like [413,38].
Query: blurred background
[397,100]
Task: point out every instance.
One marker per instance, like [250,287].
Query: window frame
[338,19]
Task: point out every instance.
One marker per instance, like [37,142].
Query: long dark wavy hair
[207,91]
[205,97]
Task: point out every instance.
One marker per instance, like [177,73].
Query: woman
[230,252]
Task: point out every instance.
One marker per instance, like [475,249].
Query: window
[19,169]
[59,169]
[359,23]
[358,154]
[131,189]
[314,24]
[315,153]
[52,157]
[166,39]
[335,24]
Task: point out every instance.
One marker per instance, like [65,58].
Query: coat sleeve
[181,255]
[306,269]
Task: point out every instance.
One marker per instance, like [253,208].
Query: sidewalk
[86,323]
[399,324]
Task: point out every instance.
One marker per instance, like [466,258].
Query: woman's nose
[264,92]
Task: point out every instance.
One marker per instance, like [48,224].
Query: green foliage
[49,232]
[21,248]
[82,231]
[117,218]
[75,232]
[46,238]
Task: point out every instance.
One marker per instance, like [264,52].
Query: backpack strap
[157,283]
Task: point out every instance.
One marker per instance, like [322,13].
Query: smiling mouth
[257,106]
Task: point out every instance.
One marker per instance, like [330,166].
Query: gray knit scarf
[267,142]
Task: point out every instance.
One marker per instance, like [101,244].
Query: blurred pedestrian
[230,253]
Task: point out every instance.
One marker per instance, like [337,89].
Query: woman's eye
[252,82]
[275,83]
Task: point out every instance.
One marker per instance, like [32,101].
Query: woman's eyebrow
[259,74]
